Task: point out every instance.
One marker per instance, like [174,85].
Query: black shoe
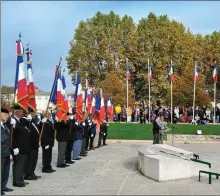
[67,165]
[19,185]
[2,193]
[37,177]
[70,162]
[105,144]
[77,159]
[61,166]
[46,171]
[52,170]
[30,178]
[83,155]
[25,183]
[6,189]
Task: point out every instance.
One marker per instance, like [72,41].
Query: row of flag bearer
[23,133]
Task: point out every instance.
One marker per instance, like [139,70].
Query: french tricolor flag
[171,73]
[88,97]
[149,73]
[110,109]
[31,86]
[196,75]
[79,99]
[64,92]
[215,74]
[102,108]
[60,98]
[20,79]
[128,69]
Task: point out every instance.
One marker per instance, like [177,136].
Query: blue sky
[49,26]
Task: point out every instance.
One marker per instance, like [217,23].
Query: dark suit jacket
[5,141]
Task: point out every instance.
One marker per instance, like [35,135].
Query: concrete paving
[112,170]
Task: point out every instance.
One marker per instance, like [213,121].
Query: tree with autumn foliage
[101,44]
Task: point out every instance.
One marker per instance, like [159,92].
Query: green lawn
[144,131]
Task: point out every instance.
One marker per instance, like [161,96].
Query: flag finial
[20,36]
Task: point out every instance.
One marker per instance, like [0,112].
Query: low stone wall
[177,137]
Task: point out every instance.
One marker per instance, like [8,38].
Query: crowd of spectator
[139,113]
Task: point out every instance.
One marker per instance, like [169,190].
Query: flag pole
[194,93]
[171,95]
[214,102]
[127,87]
[53,87]
[149,89]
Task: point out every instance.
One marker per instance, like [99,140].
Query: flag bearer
[77,145]
[5,151]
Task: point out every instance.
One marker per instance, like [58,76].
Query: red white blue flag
[110,109]
[31,86]
[79,99]
[215,73]
[196,74]
[20,79]
[171,73]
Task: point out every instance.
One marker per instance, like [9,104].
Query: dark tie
[5,126]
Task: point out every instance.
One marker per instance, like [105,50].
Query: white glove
[107,125]
[88,121]
[71,117]
[104,134]
[76,123]
[16,151]
[83,124]
[46,147]
[91,135]
[44,120]
[29,117]
[90,124]
[13,122]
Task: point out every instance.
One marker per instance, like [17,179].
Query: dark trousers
[100,139]
[119,117]
[31,163]
[5,166]
[61,159]
[104,138]
[87,142]
[19,162]
[156,138]
[46,157]
[69,149]
[91,142]
[83,149]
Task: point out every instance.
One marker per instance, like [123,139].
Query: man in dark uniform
[62,136]
[20,146]
[105,132]
[5,151]
[101,134]
[85,124]
[92,135]
[34,142]
[72,137]
[47,142]
[77,146]
[88,127]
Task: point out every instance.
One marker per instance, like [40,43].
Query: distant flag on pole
[171,73]
[150,73]
[31,86]
[110,109]
[21,89]
[196,75]
[128,69]
[215,73]
[88,97]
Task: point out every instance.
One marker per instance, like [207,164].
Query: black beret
[4,110]
[68,114]
[17,107]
